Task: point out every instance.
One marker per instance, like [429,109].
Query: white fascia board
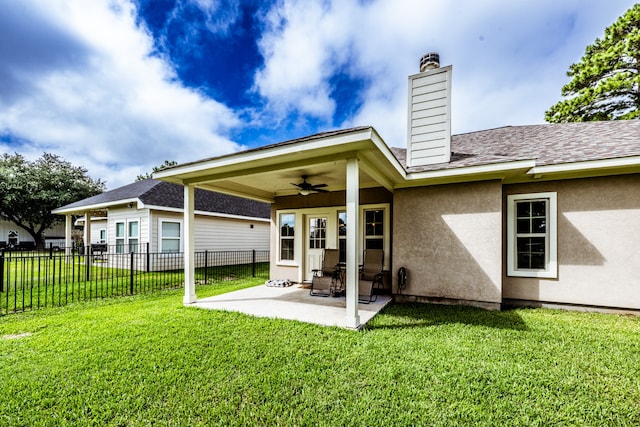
[465,172]
[93,218]
[386,152]
[206,213]
[263,156]
[590,165]
[97,206]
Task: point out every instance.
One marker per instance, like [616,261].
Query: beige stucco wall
[449,238]
[598,244]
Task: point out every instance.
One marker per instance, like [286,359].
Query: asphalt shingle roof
[169,195]
[546,144]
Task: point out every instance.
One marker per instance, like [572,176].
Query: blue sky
[119,86]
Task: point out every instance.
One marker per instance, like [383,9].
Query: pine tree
[605,83]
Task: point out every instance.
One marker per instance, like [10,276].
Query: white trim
[189,245]
[17,236]
[151,207]
[386,238]
[551,270]
[207,213]
[586,165]
[267,154]
[126,245]
[352,317]
[80,221]
[297,225]
[97,206]
[180,222]
[332,221]
[465,171]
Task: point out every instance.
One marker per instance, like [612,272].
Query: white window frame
[551,236]
[161,238]
[15,236]
[135,237]
[341,238]
[126,244]
[292,238]
[386,236]
[120,241]
[381,237]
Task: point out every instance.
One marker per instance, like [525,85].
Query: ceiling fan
[307,188]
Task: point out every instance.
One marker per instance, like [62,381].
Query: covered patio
[291,303]
[348,163]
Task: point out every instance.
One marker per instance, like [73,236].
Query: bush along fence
[56,278]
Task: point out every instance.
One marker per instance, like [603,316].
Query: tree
[605,83]
[166,164]
[29,191]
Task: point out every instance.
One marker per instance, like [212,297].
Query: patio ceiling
[269,172]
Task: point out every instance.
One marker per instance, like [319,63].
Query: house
[13,236]
[520,215]
[147,216]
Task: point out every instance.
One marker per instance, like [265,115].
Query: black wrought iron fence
[56,278]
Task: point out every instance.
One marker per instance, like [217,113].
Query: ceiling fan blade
[318,185]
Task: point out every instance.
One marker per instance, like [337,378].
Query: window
[103,235]
[13,238]
[532,235]
[342,236]
[287,231]
[133,236]
[170,236]
[374,229]
[317,233]
[120,239]
[127,237]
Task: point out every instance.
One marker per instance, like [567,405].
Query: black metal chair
[370,275]
[327,279]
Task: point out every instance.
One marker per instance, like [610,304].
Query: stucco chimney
[429,118]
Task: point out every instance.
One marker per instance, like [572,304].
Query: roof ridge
[157,182]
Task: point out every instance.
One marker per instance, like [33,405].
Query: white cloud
[509,58]
[112,107]
[83,80]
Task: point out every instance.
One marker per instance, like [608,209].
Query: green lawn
[148,360]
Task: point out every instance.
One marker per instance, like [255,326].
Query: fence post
[148,259]
[206,266]
[2,271]
[253,263]
[87,262]
[50,250]
[131,273]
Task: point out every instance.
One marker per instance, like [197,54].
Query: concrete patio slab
[292,303]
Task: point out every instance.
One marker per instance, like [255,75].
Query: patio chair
[370,275]
[326,280]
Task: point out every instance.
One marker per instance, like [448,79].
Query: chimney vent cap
[429,61]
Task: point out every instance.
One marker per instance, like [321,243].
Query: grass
[149,360]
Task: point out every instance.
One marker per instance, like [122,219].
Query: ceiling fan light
[304,192]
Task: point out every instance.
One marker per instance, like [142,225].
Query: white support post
[189,245]
[352,274]
[68,229]
[87,231]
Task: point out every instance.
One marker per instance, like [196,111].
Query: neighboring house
[149,214]
[15,237]
[526,215]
